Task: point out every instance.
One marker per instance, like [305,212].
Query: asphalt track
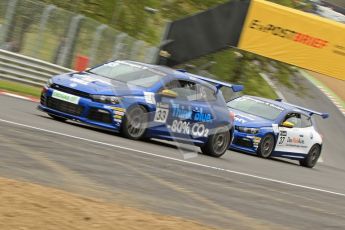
[237,191]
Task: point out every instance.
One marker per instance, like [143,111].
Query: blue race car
[272,128]
[144,101]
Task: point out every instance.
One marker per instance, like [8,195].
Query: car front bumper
[87,111]
[245,142]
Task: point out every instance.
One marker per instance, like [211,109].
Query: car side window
[205,93]
[306,121]
[186,90]
[295,119]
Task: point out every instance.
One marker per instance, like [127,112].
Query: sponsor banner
[295,37]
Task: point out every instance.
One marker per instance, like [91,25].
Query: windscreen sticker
[149,97]
[87,80]
[261,102]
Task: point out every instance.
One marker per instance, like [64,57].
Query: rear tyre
[217,144]
[266,146]
[135,123]
[57,117]
[312,157]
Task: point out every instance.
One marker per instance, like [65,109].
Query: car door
[296,139]
[185,115]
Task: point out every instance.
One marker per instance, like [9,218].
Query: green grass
[20,88]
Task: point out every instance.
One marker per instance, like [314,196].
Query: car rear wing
[309,111]
[220,84]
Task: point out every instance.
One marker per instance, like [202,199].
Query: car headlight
[247,130]
[106,99]
[49,83]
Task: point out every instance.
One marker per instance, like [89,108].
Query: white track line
[175,159]
[18,96]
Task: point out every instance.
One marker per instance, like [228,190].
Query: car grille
[99,115]
[243,142]
[64,107]
[70,91]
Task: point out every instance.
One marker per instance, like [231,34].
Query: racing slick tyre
[135,123]
[312,157]
[266,146]
[217,143]
[57,117]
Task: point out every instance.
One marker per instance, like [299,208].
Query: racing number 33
[161,115]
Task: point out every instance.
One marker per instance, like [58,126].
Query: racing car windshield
[256,107]
[129,73]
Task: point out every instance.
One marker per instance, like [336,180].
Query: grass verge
[20,88]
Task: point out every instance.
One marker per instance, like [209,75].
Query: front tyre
[266,146]
[135,123]
[312,157]
[217,144]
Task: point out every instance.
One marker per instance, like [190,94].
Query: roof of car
[172,72]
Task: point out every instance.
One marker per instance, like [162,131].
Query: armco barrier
[27,70]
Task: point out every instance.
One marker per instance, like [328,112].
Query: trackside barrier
[20,68]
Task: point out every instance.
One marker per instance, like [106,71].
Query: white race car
[272,128]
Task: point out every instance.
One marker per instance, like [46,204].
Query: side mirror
[287,124]
[168,93]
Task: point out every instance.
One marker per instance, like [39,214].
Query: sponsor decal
[184,127]
[102,111]
[115,108]
[256,141]
[283,133]
[118,120]
[65,97]
[119,113]
[295,140]
[162,112]
[117,116]
[183,113]
[179,111]
[202,117]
